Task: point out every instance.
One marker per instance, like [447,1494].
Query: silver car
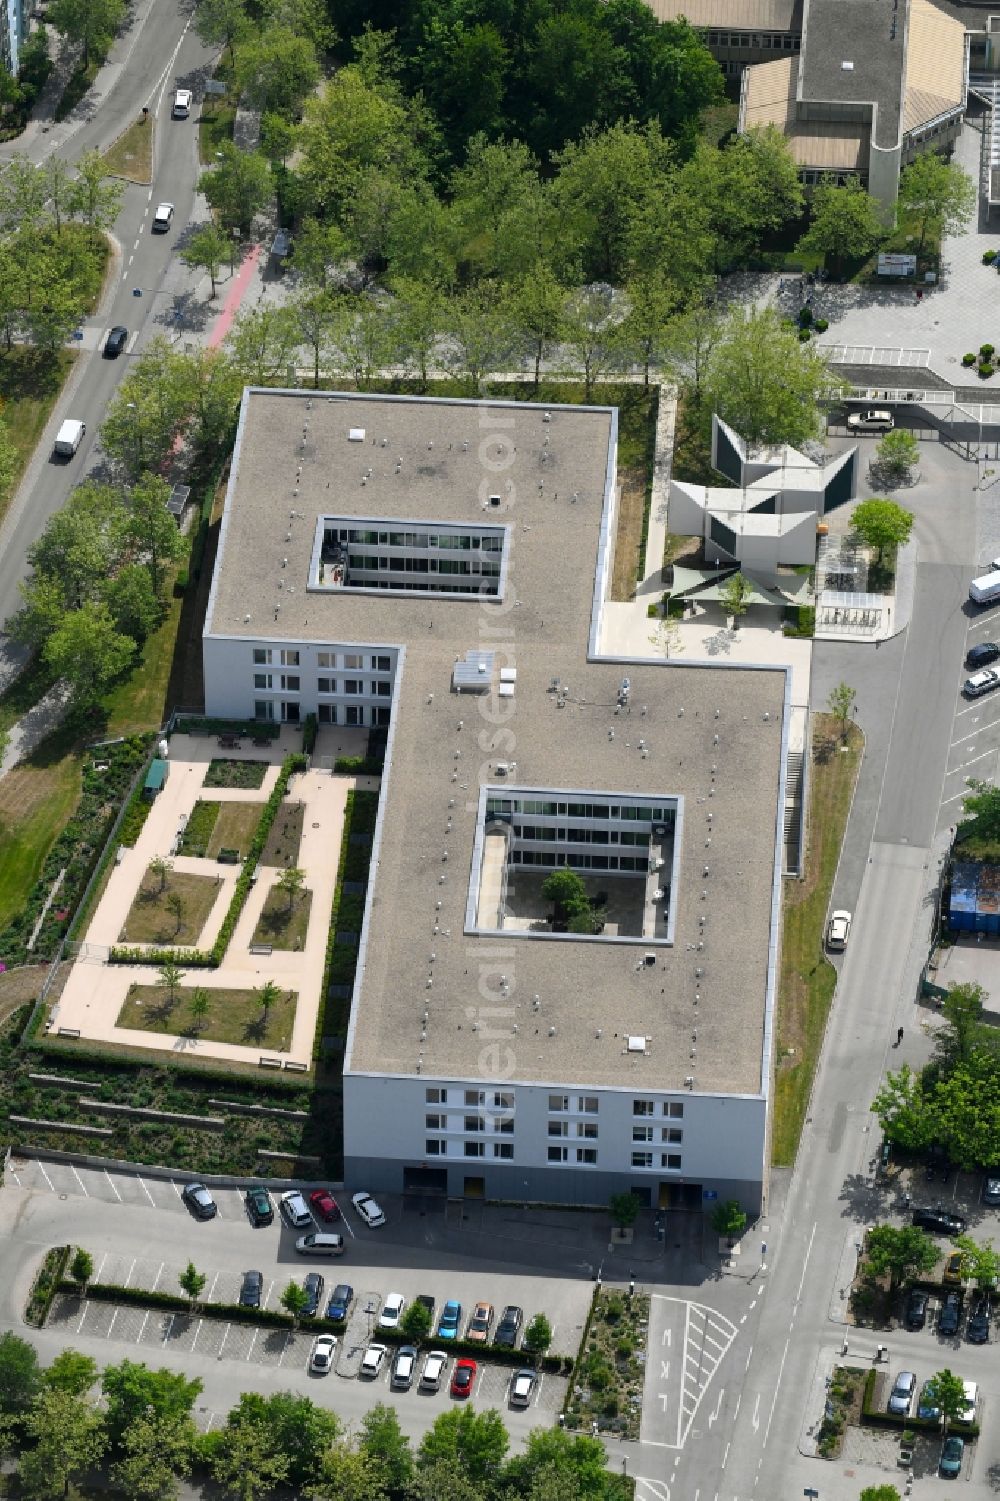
[901,1396]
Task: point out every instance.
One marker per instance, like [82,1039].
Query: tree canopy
[882,524]
[764,382]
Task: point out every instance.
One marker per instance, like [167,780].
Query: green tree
[209,248]
[161,867]
[171,976]
[980,1262]
[897,456]
[742,193]
[981,806]
[316,318]
[10,463]
[87,652]
[238,187]
[962,1009]
[947,1392]
[764,382]
[150,530]
[300,1430]
[157,1452]
[879,1493]
[20,1376]
[150,411]
[22,195]
[565,888]
[130,597]
[364,337]
[603,182]
[690,341]
[69,1440]
[382,1440]
[245,1462]
[263,343]
[555,1464]
[132,1391]
[477,322]
[847,223]
[58,188]
[624,1209]
[904,1112]
[346,1475]
[729,1218]
[592,335]
[538,1336]
[192,1282]
[416,1322]
[199,1006]
[95,197]
[267,996]
[318,251]
[935,195]
[224,21]
[537,313]
[899,1252]
[653,305]
[419,310]
[70,1371]
[477,1441]
[841,705]
[295,1300]
[81,1268]
[736,596]
[81,544]
[306,18]
[91,22]
[276,68]
[882,524]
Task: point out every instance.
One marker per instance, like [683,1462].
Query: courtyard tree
[900,1252]
[736,594]
[980,1262]
[882,524]
[192,1282]
[624,1210]
[208,248]
[729,1219]
[81,1268]
[200,1006]
[416,1322]
[896,457]
[935,195]
[160,867]
[538,1336]
[177,907]
[841,705]
[764,382]
[962,1009]
[295,1300]
[946,1391]
[171,975]
[846,224]
[238,187]
[268,995]
[566,889]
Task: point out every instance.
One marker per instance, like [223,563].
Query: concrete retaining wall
[167,1117]
[152,1170]
[59,1081]
[41,1125]
[235,1108]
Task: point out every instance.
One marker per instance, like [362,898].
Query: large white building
[438,569]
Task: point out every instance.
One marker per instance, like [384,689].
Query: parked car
[320,1243]
[369,1211]
[259,1206]
[509,1326]
[977,1328]
[981,682]
[927,1403]
[251,1289]
[324,1205]
[901,1396]
[982,654]
[340,1302]
[321,1359]
[450,1320]
[874,420]
[951,1314]
[200,1202]
[115,342]
[426,1301]
[162,217]
[182,104]
[403,1368]
[522,1387]
[915,1316]
[313,1284]
[294,1209]
[954,1268]
[838,931]
[371,1361]
[941,1221]
[434,1364]
[480,1323]
[392,1311]
[463,1377]
[952,1452]
[990,1191]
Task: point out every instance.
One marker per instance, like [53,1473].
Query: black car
[313,1284]
[340,1301]
[916,1309]
[115,342]
[941,1221]
[951,1314]
[509,1326]
[259,1206]
[250,1292]
[983,654]
[200,1202]
[977,1329]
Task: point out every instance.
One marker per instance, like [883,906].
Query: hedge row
[236,1313]
[48,1281]
[255,729]
[340,963]
[211,958]
[553,1364]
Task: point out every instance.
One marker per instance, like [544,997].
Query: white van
[182,104]
[985,590]
[69,437]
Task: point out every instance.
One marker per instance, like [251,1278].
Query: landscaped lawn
[131,156]
[220,826]
[37,799]
[232,1015]
[30,381]
[151,919]
[280,926]
[140,702]
[248,775]
[282,847]
[807,977]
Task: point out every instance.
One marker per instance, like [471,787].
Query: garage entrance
[679,1196]
[425,1180]
[475,1188]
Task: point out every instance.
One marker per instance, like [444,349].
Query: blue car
[340,1302]
[451,1320]
[950,1463]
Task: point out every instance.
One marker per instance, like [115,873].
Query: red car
[463,1378]
[325,1205]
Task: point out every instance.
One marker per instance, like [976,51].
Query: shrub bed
[48,1281]
[608,1378]
[346,912]
[245,775]
[257,729]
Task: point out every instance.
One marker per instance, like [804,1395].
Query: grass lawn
[282,847]
[232,1015]
[281,928]
[808,978]
[131,156]
[215,126]
[151,919]
[30,381]
[235,827]
[37,799]
[140,702]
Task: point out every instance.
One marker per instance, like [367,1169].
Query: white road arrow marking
[718,1407]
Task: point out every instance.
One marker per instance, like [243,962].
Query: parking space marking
[146,1191]
[177,1190]
[170,1327]
[41,1168]
[345,1221]
[252,1343]
[112,1185]
[158,1276]
[142,1329]
[83,1186]
[211,1290]
[538,1391]
[196,1334]
[12,1173]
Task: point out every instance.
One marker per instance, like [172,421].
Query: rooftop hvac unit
[502,768]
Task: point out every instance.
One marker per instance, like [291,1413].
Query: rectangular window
[643,1107]
[263,709]
[502,1102]
[262,656]
[674,1108]
[673,1135]
[586,1129]
[436,1096]
[435,1122]
[558,1154]
[504,1125]
[326,685]
[352,660]
[558,1102]
[325,659]
[642,1159]
[642,1133]
[289,658]
[433,1148]
[558,1128]
[586,1154]
[290,682]
[262,679]
[672,1161]
[380,714]
[474,1123]
[475,1149]
[289,713]
[475,1097]
[382,690]
[353,715]
[381,664]
[588,1104]
[504,1149]
[353,685]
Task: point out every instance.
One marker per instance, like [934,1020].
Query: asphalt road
[164,54]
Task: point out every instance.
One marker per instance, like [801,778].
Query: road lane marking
[664,1370]
[666,1338]
[113,1185]
[756,1413]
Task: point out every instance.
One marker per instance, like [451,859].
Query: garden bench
[229,742]
[260,948]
